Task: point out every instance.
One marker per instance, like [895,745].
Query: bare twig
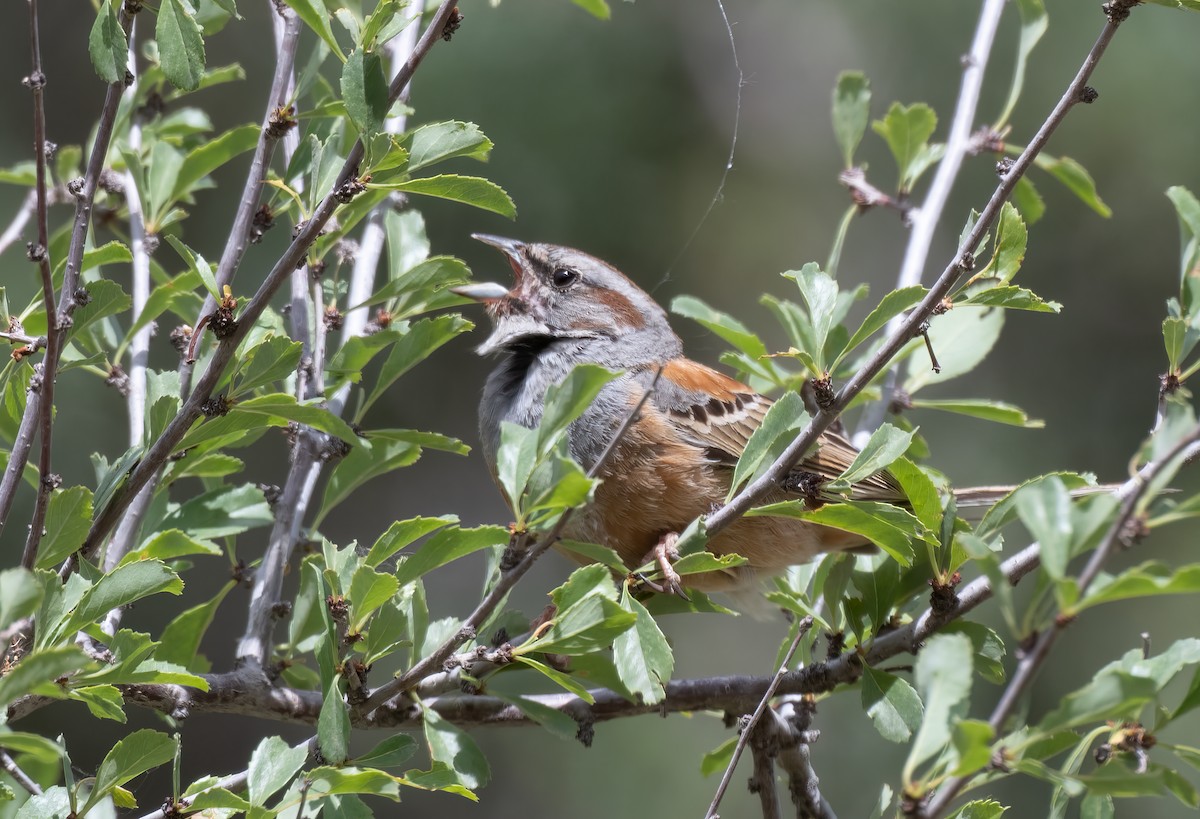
[18,457]
[435,660]
[1131,493]
[747,729]
[34,343]
[10,767]
[239,232]
[162,448]
[925,219]
[762,781]
[792,722]
[909,327]
[20,219]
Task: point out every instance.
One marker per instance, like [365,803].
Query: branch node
[1004,166]
[35,81]
[453,23]
[281,120]
[1088,95]
[1117,11]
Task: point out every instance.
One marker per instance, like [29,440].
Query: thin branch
[925,219]
[762,781]
[18,457]
[162,448]
[34,343]
[908,329]
[792,723]
[39,253]
[436,659]
[239,232]
[10,767]
[20,219]
[1131,493]
[747,729]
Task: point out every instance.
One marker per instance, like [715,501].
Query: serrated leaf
[333,725]
[1027,199]
[107,45]
[122,586]
[888,527]
[892,305]
[722,324]
[1011,298]
[180,45]
[886,444]
[995,411]
[226,510]
[891,703]
[390,752]
[439,141]
[943,673]
[316,18]
[106,299]
[1145,580]
[271,360]
[1045,509]
[589,625]
[39,668]
[402,533]
[642,655]
[212,154]
[281,405]
[961,339]
[556,722]
[1076,179]
[272,765]
[169,545]
[181,637]
[979,809]
[782,420]
[597,8]
[130,757]
[469,190]
[455,749]
[907,130]
[20,595]
[365,92]
[447,545]
[851,111]
[68,519]
[419,342]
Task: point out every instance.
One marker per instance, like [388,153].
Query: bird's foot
[664,554]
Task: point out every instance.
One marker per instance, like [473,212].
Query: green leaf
[180,45]
[1187,207]
[589,625]
[447,545]
[779,426]
[564,681]
[979,809]
[597,8]
[943,673]
[1012,237]
[211,155]
[1076,179]
[888,527]
[568,399]
[390,449]
[1034,23]
[907,130]
[107,45]
[419,342]
[106,299]
[891,703]
[68,519]
[169,545]
[122,586]
[922,495]
[1011,298]
[402,533]
[1145,580]
[961,339]
[20,595]
[820,294]
[851,110]
[455,748]
[885,445]
[273,359]
[1026,197]
[973,744]
[281,405]
[181,637]
[272,765]
[469,190]
[226,510]
[582,583]
[333,725]
[989,648]
[1005,509]
[892,305]
[718,758]
[440,141]
[315,16]
[390,752]
[1179,339]
[642,655]
[556,722]
[365,92]
[722,324]
[368,591]
[1045,509]
[130,757]
[595,553]
[40,669]
[995,411]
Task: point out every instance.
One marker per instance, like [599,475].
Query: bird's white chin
[510,331]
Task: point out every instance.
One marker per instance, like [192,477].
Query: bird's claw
[664,555]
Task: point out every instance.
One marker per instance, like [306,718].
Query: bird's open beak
[491,291]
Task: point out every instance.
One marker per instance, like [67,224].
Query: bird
[676,459]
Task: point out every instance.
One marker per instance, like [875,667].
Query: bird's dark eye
[564,277]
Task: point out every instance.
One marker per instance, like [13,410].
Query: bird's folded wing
[719,414]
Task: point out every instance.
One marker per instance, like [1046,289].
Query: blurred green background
[612,137]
